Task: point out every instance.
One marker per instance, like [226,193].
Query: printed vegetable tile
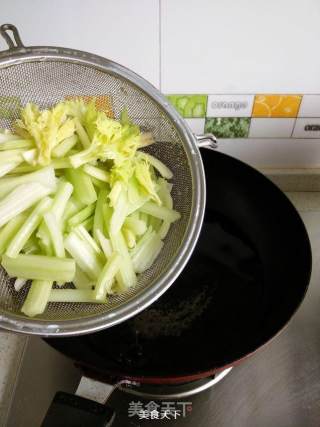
[228,127]
[190,106]
[103,102]
[276,105]
[9,107]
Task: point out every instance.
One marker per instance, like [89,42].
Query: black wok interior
[246,278]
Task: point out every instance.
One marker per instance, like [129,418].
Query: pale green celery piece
[81,280]
[24,168]
[144,217]
[99,184]
[19,284]
[104,243]
[83,188]
[160,212]
[55,234]
[83,254]
[46,247]
[29,226]
[115,193]
[155,223]
[82,134]
[147,253]
[65,146]
[157,164]
[37,298]
[83,234]
[7,135]
[98,214]
[147,235]
[61,198]
[129,237]
[107,214]
[44,176]
[73,295]
[126,275]
[95,172]
[8,167]
[105,279]
[137,226]
[81,216]
[164,193]
[73,207]
[164,229]
[31,249]
[88,223]
[40,267]
[120,213]
[30,156]
[10,230]
[11,156]
[63,163]
[14,144]
[20,199]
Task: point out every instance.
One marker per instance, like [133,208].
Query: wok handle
[13,40]
[72,411]
[207,140]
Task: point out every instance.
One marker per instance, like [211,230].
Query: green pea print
[190,106]
[228,127]
[9,107]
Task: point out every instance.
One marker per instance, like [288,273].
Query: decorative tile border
[251,116]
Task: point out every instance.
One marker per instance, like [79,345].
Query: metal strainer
[46,75]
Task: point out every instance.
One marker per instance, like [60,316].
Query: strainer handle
[13,40]
[207,140]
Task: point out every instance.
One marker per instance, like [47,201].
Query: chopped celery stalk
[24,168]
[98,214]
[83,188]
[31,249]
[30,225]
[30,156]
[126,275]
[88,223]
[83,255]
[155,223]
[11,156]
[164,193]
[37,298]
[40,267]
[81,280]
[146,139]
[129,237]
[119,214]
[147,253]
[81,216]
[16,143]
[82,134]
[46,247]
[145,218]
[65,146]
[73,207]
[107,214]
[44,176]
[104,243]
[63,163]
[19,284]
[115,193]
[137,226]
[157,164]
[6,135]
[160,212]
[61,199]
[99,184]
[147,235]
[9,231]
[97,173]
[82,232]
[55,234]
[20,199]
[164,229]
[106,277]
[72,295]
[7,167]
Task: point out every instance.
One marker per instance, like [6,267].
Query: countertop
[277,387]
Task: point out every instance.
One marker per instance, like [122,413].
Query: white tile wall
[307,128]
[271,128]
[230,105]
[240,46]
[196,125]
[123,30]
[310,106]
